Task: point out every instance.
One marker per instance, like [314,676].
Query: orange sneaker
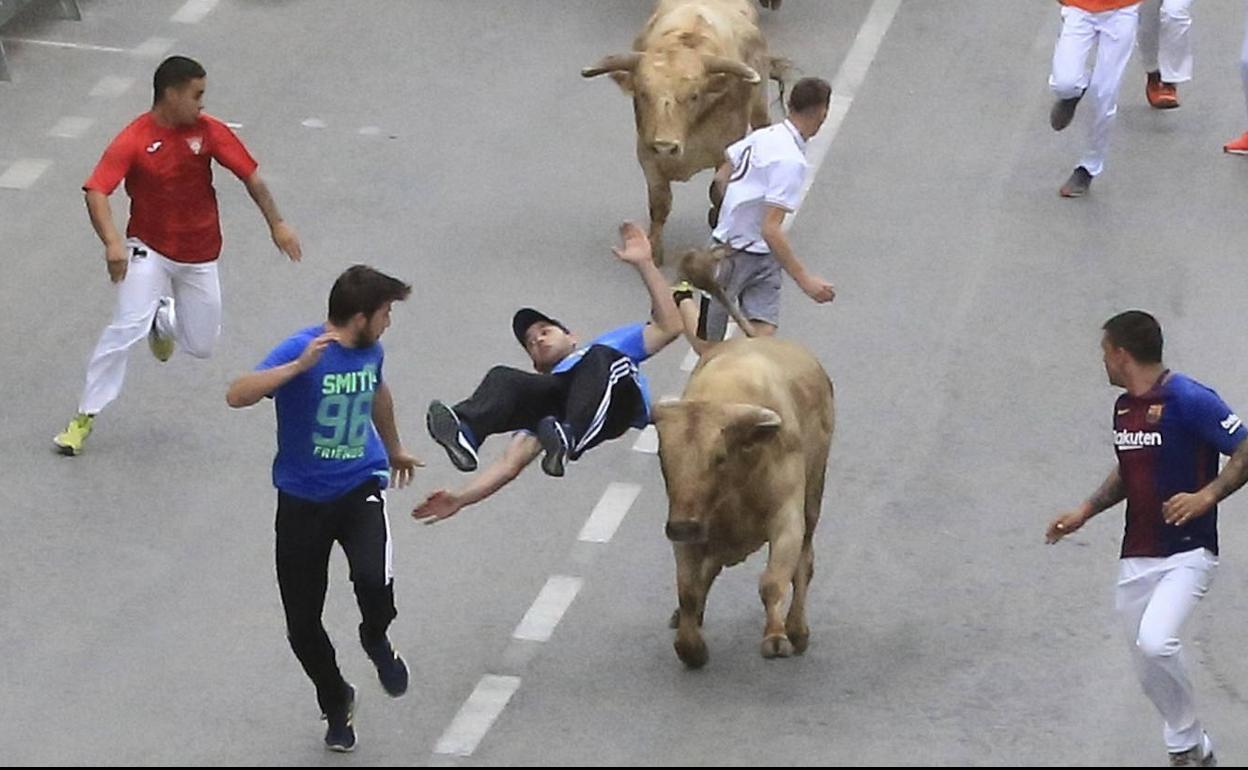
[1237,146]
[1161,95]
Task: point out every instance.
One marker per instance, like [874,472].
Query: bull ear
[616,62]
[748,423]
[718,64]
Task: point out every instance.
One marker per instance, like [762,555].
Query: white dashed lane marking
[493,691]
[23,173]
[538,624]
[193,11]
[112,86]
[71,127]
[611,509]
[477,715]
[153,47]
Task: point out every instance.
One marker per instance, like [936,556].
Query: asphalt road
[455,145]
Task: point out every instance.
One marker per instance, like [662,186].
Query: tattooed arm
[1110,493]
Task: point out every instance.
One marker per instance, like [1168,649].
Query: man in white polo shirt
[759,183]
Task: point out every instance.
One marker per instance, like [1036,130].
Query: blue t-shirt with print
[630,341]
[327,444]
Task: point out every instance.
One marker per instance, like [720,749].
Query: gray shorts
[754,281]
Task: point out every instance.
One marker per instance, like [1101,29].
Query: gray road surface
[139,619]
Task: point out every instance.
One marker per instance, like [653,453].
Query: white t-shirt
[768,169]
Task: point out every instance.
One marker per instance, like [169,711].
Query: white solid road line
[153,47]
[60,44]
[845,87]
[477,715]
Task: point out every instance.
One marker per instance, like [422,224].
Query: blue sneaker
[391,669]
[554,441]
[340,735]
[445,428]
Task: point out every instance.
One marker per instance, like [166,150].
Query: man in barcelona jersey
[1169,431]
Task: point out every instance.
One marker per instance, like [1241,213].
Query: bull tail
[697,267]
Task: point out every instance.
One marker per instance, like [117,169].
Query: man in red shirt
[167,261]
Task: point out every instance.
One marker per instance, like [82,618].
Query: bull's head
[672,91]
[707,451]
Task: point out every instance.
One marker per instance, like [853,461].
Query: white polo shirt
[768,169]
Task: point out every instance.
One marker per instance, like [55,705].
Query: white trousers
[1155,597]
[1243,61]
[1113,35]
[194,325]
[1165,39]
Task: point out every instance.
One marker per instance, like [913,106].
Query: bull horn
[616,62]
[664,410]
[717,64]
[749,422]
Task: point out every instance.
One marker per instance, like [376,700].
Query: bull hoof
[777,647]
[800,640]
[674,621]
[692,654]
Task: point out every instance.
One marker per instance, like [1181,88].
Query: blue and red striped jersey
[1168,441]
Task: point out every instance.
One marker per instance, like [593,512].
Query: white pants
[195,325]
[1113,34]
[1243,61]
[1155,597]
[1165,39]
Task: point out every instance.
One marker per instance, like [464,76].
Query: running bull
[744,454]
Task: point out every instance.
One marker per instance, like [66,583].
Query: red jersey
[168,173]
[1099,6]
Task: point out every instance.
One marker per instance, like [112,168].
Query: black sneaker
[1063,112]
[445,429]
[340,735]
[391,669]
[554,442]
[1078,184]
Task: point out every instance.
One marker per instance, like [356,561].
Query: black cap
[526,317]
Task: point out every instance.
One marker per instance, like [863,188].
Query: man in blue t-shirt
[1169,431]
[579,397]
[337,449]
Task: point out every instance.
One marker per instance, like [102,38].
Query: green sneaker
[70,441]
[161,346]
[683,291]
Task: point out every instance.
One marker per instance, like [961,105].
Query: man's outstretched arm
[443,504]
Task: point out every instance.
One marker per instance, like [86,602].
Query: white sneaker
[1200,755]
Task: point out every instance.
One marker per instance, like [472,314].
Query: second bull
[744,455]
